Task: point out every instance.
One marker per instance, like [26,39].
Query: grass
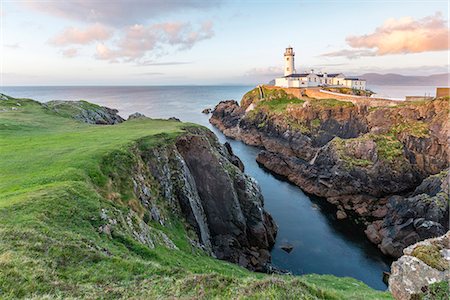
[279,105]
[389,147]
[430,254]
[436,291]
[330,103]
[58,176]
[418,129]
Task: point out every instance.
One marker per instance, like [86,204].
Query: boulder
[287,248]
[422,265]
[340,214]
[207,111]
[136,115]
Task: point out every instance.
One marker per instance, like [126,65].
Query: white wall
[355,84]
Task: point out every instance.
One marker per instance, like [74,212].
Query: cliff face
[421,215]
[200,179]
[354,155]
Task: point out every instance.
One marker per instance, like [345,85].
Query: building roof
[354,78]
[298,75]
[334,74]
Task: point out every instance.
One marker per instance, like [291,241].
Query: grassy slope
[50,202]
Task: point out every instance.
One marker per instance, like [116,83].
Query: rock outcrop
[355,155]
[85,112]
[421,215]
[197,177]
[424,269]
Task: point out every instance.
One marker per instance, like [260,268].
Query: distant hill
[397,79]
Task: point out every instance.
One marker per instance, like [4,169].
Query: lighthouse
[289,67]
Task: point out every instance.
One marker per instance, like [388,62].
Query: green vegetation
[58,176]
[315,123]
[279,105]
[275,100]
[327,103]
[418,129]
[343,147]
[436,291]
[430,254]
[250,97]
[389,147]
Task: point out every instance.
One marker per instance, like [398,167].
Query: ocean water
[401,91]
[322,244]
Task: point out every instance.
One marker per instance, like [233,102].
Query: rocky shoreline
[368,161]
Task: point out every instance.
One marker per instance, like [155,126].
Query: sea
[322,244]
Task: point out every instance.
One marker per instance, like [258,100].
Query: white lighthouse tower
[289,66]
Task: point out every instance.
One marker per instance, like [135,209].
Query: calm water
[400,91]
[321,243]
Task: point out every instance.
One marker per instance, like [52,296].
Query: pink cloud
[395,36]
[71,35]
[406,35]
[70,52]
[139,40]
[350,53]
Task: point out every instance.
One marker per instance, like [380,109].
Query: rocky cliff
[423,272]
[85,112]
[194,176]
[355,155]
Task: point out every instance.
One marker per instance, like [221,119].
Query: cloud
[400,36]
[138,40]
[164,63]
[350,53]
[70,52]
[265,72]
[118,12]
[71,35]
[14,46]
[149,74]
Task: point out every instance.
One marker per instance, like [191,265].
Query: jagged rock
[233,158]
[416,270]
[85,112]
[287,248]
[174,119]
[424,214]
[136,115]
[340,214]
[207,111]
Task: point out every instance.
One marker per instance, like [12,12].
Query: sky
[192,42]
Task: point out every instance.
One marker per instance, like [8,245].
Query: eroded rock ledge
[356,156]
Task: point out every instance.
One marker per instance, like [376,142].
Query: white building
[292,79]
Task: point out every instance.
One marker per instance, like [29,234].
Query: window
[287,69]
[287,58]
